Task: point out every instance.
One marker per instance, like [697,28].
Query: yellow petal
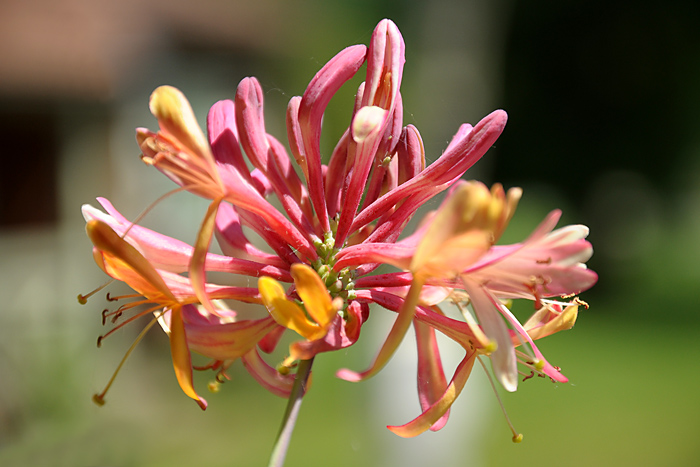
[176,119]
[563,322]
[313,293]
[286,312]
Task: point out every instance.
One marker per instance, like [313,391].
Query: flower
[455,250]
[220,338]
[338,222]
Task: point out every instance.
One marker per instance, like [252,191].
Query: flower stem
[284,436]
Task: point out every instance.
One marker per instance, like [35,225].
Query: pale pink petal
[489,315]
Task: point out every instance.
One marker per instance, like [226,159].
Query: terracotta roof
[83,48]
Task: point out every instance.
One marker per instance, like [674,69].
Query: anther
[518,438]
[99,341]
[214,386]
[99,399]
[222,377]
[104,316]
[82,299]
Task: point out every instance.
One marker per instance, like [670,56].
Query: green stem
[279,452]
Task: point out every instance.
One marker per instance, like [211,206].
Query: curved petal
[313,293]
[431,376]
[284,311]
[268,377]
[433,414]
[181,357]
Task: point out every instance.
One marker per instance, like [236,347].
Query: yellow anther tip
[214,387]
[282,369]
[490,347]
[518,438]
[98,399]
[82,299]
[539,365]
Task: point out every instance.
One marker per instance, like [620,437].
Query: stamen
[528,353]
[99,399]
[517,437]
[82,299]
[214,386]
[151,206]
[122,324]
[284,367]
[221,376]
[116,314]
[110,298]
[213,365]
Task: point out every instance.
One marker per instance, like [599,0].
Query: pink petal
[432,415]
[431,376]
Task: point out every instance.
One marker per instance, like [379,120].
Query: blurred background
[602,101]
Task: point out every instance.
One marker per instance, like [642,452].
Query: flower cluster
[338,223]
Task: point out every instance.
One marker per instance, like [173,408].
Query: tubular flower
[340,218]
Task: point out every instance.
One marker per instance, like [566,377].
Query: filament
[82,299]
[99,399]
[517,437]
[127,321]
[151,206]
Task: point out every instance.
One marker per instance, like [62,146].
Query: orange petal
[313,293]
[286,312]
[181,357]
[199,256]
[107,240]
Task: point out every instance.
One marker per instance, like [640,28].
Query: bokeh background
[602,99]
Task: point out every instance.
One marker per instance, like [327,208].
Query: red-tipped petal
[437,410]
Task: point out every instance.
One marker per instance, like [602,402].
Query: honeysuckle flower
[170,294]
[456,250]
[340,218]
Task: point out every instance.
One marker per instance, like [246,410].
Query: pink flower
[338,222]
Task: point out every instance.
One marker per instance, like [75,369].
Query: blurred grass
[631,399]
